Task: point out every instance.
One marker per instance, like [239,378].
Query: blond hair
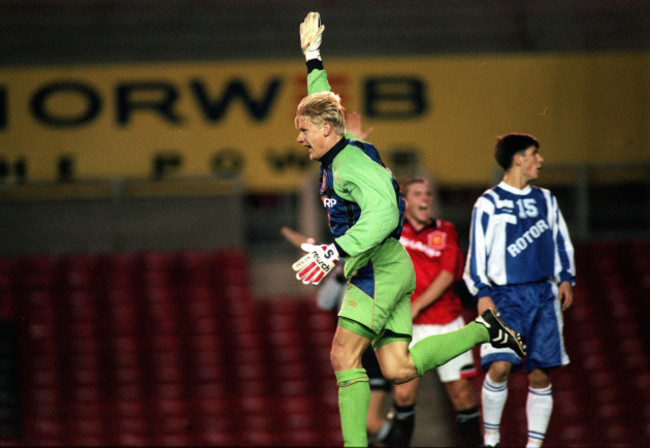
[323,107]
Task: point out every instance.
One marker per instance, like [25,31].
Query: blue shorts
[533,310]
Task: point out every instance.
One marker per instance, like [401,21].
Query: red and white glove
[319,261]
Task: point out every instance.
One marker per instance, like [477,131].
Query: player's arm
[355,128]
[295,238]
[565,269]
[311,37]
[565,294]
[475,274]
[433,292]
[319,260]
[317,77]
[370,186]
[449,265]
[565,272]
[567,265]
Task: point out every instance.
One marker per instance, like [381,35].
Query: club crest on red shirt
[437,240]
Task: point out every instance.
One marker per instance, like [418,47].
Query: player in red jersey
[438,261]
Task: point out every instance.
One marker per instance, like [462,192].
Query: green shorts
[377,301]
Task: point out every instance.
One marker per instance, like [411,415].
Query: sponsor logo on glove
[319,261]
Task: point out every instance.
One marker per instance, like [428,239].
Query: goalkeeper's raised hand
[319,261]
[311,35]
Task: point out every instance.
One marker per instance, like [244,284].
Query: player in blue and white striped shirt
[520,262]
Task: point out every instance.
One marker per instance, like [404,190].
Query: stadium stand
[170,349]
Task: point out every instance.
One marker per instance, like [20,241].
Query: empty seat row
[166,349]
[170,349]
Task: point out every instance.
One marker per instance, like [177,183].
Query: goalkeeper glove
[311,35]
[319,261]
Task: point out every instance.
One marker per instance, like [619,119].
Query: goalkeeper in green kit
[365,209]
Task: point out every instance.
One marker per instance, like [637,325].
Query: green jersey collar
[333,152]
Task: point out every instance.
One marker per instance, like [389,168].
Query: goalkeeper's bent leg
[354,398]
[434,351]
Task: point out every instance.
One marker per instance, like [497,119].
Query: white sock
[493,398]
[383,431]
[539,406]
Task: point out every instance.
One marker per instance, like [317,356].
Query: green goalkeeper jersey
[364,204]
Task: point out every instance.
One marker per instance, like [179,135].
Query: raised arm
[311,37]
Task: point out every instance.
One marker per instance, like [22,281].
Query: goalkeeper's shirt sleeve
[317,77]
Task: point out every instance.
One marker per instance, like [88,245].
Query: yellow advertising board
[202,119]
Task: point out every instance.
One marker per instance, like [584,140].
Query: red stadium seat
[36,272]
[212,433]
[153,261]
[162,342]
[40,338]
[127,375]
[168,391]
[116,267]
[7,275]
[261,434]
[255,404]
[43,431]
[133,408]
[214,407]
[76,272]
[209,373]
[195,268]
[132,390]
[130,438]
[163,348]
[85,380]
[7,308]
[297,369]
[254,370]
[43,378]
[39,302]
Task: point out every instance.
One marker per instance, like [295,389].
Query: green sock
[354,398]
[434,351]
